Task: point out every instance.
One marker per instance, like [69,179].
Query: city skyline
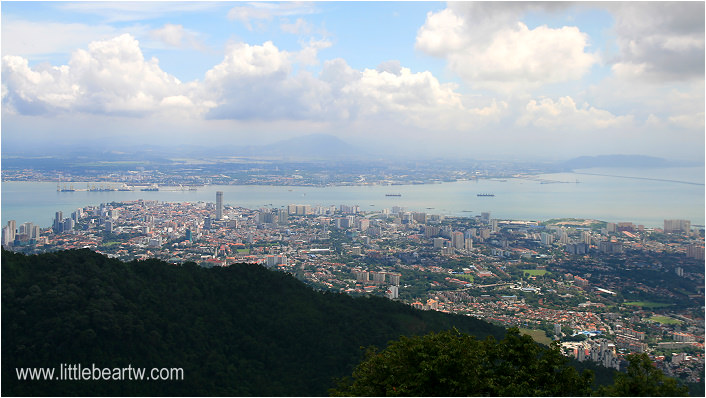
[486,80]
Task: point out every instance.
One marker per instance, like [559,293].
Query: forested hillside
[238,330]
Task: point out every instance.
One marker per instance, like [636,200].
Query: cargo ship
[486,194]
[393,194]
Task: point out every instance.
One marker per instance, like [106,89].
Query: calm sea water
[647,199]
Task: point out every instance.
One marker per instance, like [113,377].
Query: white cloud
[252,83]
[242,59]
[126,11]
[111,77]
[692,121]
[256,82]
[659,41]
[488,47]
[170,34]
[177,36]
[643,98]
[297,28]
[31,39]
[257,11]
[564,114]
[443,33]
[308,55]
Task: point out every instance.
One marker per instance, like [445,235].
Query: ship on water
[152,188]
[65,188]
[393,194]
[486,194]
[100,188]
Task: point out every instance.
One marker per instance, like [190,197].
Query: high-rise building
[546,239]
[265,217]
[586,237]
[420,218]
[430,232]
[671,226]
[361,276]
[695,251]
[6,236]
[494,224]
[378,277]
[610,247]
[219,205]
[625,226]
[68,225]
[393,292]
[302,210]
[25,227]
[282,217]
[58,219]
[457,240]
[12,229]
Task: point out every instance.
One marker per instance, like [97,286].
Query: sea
[641,196]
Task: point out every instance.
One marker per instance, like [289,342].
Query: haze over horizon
[484,80]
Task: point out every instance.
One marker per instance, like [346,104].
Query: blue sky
[485,80]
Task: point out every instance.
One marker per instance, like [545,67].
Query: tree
[455,364]
[643,379]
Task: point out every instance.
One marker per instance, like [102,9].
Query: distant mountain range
[637,161]
[307,147]
[310,147]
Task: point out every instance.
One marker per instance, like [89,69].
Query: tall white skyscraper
[6,236]
[219,205]
[12,229]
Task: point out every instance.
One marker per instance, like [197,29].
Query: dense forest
[241,330]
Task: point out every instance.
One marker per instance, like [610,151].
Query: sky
[483,80]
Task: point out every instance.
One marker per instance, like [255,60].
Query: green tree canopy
[643,379]
[455,364]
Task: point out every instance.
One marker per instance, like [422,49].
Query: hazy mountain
[310,147]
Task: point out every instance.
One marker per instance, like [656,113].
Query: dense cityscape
[405,198]
[603,289]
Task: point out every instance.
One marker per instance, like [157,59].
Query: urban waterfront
[648,198]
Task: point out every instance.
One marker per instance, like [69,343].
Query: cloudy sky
[485,80]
